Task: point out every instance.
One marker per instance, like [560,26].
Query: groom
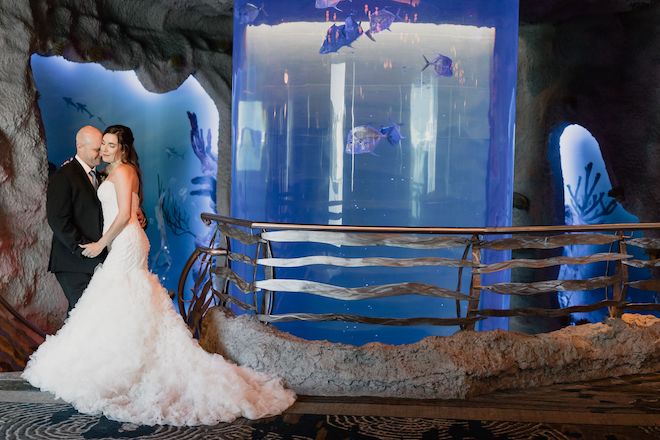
[74,214]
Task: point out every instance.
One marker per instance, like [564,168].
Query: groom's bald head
[88,145]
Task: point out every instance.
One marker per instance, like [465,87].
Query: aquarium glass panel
[386,113]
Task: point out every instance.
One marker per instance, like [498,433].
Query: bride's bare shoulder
[124,171]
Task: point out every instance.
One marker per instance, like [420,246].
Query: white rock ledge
[458,366]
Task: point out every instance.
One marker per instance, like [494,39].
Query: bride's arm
[124,177]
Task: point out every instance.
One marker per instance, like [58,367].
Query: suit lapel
[84,179]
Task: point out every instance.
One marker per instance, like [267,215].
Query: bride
[124,351]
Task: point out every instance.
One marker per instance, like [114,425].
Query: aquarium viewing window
[373,113]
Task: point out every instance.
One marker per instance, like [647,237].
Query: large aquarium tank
[382,113]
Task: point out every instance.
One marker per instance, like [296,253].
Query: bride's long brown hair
[128,154]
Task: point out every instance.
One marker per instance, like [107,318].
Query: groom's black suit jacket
[74,214]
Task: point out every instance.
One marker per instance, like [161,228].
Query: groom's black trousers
[73,284]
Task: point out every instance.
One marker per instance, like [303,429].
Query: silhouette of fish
[172,152]
[69,101]
[340,36]
[323,4]
[441,64]
[381,21]
[248,13]
[83,108]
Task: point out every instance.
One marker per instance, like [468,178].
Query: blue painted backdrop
[178,165]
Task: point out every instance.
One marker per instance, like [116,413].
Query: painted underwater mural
[590,199]
[174,137]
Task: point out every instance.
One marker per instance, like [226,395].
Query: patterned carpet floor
[26,414]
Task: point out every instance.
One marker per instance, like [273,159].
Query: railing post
[459,284]
[267,296]
[475,283]
[620,287]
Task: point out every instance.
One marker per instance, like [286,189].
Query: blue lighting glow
[179,183]
[383,113]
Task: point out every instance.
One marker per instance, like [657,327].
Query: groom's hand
[142,219]
[91,250]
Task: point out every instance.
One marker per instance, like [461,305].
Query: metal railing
[212,272]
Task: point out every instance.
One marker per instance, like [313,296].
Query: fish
[365,138]
[83,108]
[172,152]
[323,4]
[340,36]
[441,64]
[248,13]
[69,101]
[381,21]
[393,133]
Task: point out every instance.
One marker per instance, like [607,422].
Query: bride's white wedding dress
[126,353]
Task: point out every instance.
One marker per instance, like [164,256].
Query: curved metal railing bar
[472,241]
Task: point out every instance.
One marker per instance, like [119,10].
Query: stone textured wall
[458,366]
[164,42]
[600,72]
[24,234]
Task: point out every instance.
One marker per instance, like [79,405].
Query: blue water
[293,110]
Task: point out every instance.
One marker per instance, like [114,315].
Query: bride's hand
[91,250]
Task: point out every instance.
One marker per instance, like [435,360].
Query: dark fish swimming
[441,64]
[340,36]
[393,133]
[82,108]
[69,101]
[248,13]
[323,4]
[381,21]
[173,153]
[365,138]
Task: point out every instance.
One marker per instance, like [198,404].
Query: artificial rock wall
[590,62]
[452,367]
[164,42]
[595,69]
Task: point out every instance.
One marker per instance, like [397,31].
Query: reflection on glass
[387,114]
